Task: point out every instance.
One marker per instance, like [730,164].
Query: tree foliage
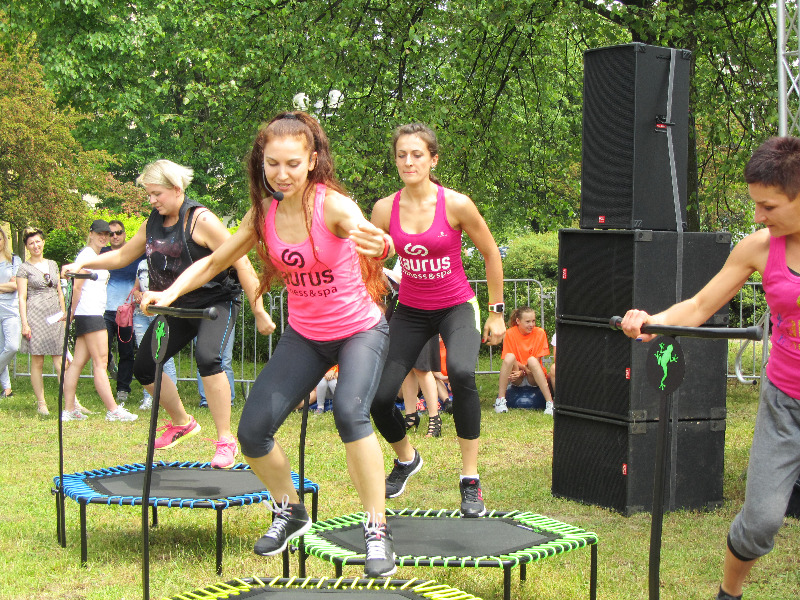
[500,80]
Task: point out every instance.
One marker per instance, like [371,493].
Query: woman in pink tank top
[426,222]
[315,240]
[773,177]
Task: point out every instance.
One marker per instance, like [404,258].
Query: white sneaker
[548,407]
[75,415]
[146,404]
[120,414]
[500,406]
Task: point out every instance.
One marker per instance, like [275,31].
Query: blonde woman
[41,310]
[10,325]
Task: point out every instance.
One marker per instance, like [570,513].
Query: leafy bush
[63,245]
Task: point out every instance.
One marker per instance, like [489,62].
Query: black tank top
[170,251]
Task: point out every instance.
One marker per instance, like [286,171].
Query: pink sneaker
[174,434]
[225,454]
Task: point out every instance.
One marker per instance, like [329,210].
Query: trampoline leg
[506,583]
[338,566]
[84,553]
[314,504]
[59,538]
[523,572]
[219,541]
[301,559]
[286,562]
[155,516]
[593,576]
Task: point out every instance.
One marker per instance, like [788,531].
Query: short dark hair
[115,222]
[30,232]
[776,163]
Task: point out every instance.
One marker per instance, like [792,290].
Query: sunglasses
[120,232]
[49,280]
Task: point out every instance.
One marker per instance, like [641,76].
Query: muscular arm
[344,219]
[114,259]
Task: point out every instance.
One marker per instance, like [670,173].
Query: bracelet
[386,246]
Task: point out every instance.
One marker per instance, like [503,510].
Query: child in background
[523,348]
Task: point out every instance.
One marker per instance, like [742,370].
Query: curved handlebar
[755,332]
[92,276]
[186,313]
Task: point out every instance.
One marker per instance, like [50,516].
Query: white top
[93,293]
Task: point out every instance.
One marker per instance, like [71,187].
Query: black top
[171,250]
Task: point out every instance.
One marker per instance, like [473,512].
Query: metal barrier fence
[517,292]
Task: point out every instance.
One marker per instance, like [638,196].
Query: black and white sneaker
[397,479]
[380,550]
[471,498]
[724,596]
[290,521]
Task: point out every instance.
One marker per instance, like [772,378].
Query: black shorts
[88,324]
[430,358]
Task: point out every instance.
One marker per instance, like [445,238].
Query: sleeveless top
[171,250]
[328,299]
[433,274]
[782,290]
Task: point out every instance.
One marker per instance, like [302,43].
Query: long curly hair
[298,124]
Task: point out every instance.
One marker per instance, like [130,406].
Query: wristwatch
[497,308]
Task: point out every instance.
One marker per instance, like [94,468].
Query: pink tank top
[782,290]
[328,299]
[433,274]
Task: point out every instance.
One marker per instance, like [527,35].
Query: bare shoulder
[457,201]
[382,212]
[752,251]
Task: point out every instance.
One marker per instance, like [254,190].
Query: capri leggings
[296,367]
[212,336]
[771,474]
[409,331]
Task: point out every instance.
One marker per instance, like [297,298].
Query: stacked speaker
[632,252]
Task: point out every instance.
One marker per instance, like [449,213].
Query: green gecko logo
[160,331]
[664,356]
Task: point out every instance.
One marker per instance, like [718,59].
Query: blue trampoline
[174,485]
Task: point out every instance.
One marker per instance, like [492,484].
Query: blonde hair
[6,248]
[166,173]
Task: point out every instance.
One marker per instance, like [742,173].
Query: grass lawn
[516,473]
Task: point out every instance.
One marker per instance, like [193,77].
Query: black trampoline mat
[447,536]
[193,483]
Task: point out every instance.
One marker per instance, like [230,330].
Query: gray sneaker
[120,414]
[75,415]
[122,396]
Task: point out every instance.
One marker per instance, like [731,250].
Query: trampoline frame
[572,538]
[76,488]
[426,587]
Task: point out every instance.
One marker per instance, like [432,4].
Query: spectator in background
[421,378]
[326,388]
[41,309]
[523,348]
[120,284]
[551,376]
[10,325]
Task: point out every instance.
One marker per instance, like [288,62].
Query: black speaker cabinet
[603,372]
[605,273]
[612,463]
[626,180]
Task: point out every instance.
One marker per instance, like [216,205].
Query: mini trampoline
[174,485]
[254,588]
[442,538]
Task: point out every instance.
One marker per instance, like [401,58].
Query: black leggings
[409,331]
[212,337]
[295,369]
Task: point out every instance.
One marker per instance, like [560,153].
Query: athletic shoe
[225,454]
[203,403]
[147,403]
[500,406]
[548,407]
[122,397]
[290,521]
[120,414]
[173,434]
[74,415]
[397,479]
[471,498]
[83,409]
[380,550]
[723,596]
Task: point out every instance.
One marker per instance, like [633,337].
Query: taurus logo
[293,259]
[415,250]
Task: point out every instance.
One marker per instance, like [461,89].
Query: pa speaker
[626,176]
[605,273]
[603,372]
[612,463]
